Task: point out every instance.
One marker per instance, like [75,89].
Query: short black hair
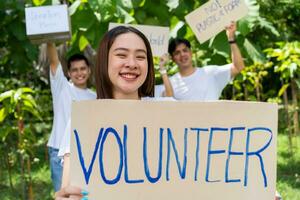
[175,42]
[77,57]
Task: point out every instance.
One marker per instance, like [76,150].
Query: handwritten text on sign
[143,150]
[47,19]
[158,36]
[211,18]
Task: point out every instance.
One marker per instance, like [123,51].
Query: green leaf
[6,95]
[72,9]
[38,2]
[220,45]
[283,89]
[27,90]
[243,27]
[138,3]
[267,25]
[123,13]
[83,19]
[253,52]
[3,114]
[28,99]
[83,42]
[126,3]
[172,4]
[33,112]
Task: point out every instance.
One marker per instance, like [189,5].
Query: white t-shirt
[63,93]
[66,141]
[205,84]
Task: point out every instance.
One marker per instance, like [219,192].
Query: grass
[288,170]
[42,187]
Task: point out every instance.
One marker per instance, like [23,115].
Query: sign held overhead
[212,17]
[48,23]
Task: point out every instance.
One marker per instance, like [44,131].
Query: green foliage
[18,103]
[286,59]
[16,52]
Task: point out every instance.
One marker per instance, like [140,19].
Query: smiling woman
[124,70]
[128,65]
[124,67]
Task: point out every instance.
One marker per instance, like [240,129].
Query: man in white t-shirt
[63,93]
[206,83]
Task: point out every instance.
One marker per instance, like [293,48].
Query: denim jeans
[55,167]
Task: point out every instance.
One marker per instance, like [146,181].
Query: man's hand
[230,31]
[163,60]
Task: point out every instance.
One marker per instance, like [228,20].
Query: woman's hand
[71,192]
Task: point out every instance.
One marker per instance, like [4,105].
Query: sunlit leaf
[3,114]
[6,95]
[38,2]
[172,4]
[283,89]
[83,42]
[72,9]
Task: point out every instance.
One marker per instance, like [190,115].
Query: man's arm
[237,59]
[168,92]
[52,56]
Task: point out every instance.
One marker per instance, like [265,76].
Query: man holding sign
[63,94]
[206,83]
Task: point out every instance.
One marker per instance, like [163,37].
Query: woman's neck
[133,96]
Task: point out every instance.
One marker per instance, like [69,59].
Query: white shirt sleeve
[222,76]
[57,81]
[64,146]
[158,90]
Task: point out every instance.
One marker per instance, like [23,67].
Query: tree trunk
[9,173]
[30,191]
[295,109]
[288,121]
[245,92]
[20,124]
[257,89]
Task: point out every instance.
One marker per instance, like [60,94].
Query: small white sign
[211,18]
[158,36]
[48,23]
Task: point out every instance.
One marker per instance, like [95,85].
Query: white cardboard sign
[48,23]
[141,150]
[158,36]
[212,17]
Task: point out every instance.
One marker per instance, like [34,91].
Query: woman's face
[127,65]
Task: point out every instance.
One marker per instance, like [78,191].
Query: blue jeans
[55,167]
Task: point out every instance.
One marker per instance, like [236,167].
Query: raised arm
[168,92]
[52,56]
[237,59]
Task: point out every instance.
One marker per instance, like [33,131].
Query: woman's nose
[131,62]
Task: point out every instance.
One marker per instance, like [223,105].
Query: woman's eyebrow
[125,49]
[121,49]
[141,50]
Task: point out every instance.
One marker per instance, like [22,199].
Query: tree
[18,104]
